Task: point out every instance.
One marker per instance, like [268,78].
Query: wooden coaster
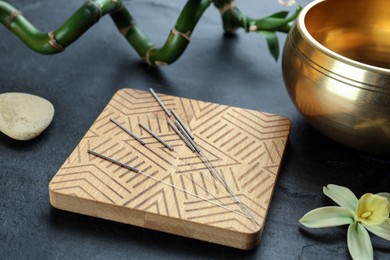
[176,192]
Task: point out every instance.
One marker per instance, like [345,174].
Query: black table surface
[235,70]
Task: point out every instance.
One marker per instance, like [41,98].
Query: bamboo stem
[54,42]
[90,13]
[177,41]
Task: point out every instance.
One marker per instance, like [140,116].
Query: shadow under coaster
[175,192]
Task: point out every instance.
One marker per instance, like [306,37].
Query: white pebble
[24,116]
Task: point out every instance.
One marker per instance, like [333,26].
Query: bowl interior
[356,29]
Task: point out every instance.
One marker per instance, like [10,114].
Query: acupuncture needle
[155,136]
[113,161]
[181,136]
[185,134]
[182,124]
[124,165]
[127,130]
[160,102]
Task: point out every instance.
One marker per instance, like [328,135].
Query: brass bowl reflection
[336,68]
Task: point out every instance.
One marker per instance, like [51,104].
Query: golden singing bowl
[336,68]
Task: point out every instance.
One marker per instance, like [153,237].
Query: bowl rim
[312,41]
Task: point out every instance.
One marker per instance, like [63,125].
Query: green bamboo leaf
[384,194]
[281,14]
[359,243]
[273,43]
[271,23]
[327,217]
[382,230]
[274,22]
[344,197]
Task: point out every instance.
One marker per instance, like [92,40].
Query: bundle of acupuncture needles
[188,138]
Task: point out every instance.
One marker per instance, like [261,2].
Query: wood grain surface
[176,192]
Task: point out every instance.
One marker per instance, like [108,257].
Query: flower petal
[327,217]
[382,230]
[341,195]
[359,243]
[372,209]
[384,194]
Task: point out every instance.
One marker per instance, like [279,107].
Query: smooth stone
[24,116]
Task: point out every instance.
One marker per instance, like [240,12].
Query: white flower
[370,212]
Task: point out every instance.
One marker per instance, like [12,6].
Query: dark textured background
[235,70]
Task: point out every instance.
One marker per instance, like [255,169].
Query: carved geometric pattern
[244,146]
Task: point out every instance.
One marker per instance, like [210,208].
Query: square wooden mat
[244,146]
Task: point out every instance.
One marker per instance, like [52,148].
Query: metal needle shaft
[113,161]
[160,102]
[127,131]
[156,136]
[181,136]
[180,127]
[161,181]
[182,124]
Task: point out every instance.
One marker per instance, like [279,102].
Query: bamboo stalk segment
[177,41]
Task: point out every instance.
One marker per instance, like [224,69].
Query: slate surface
[232,70]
